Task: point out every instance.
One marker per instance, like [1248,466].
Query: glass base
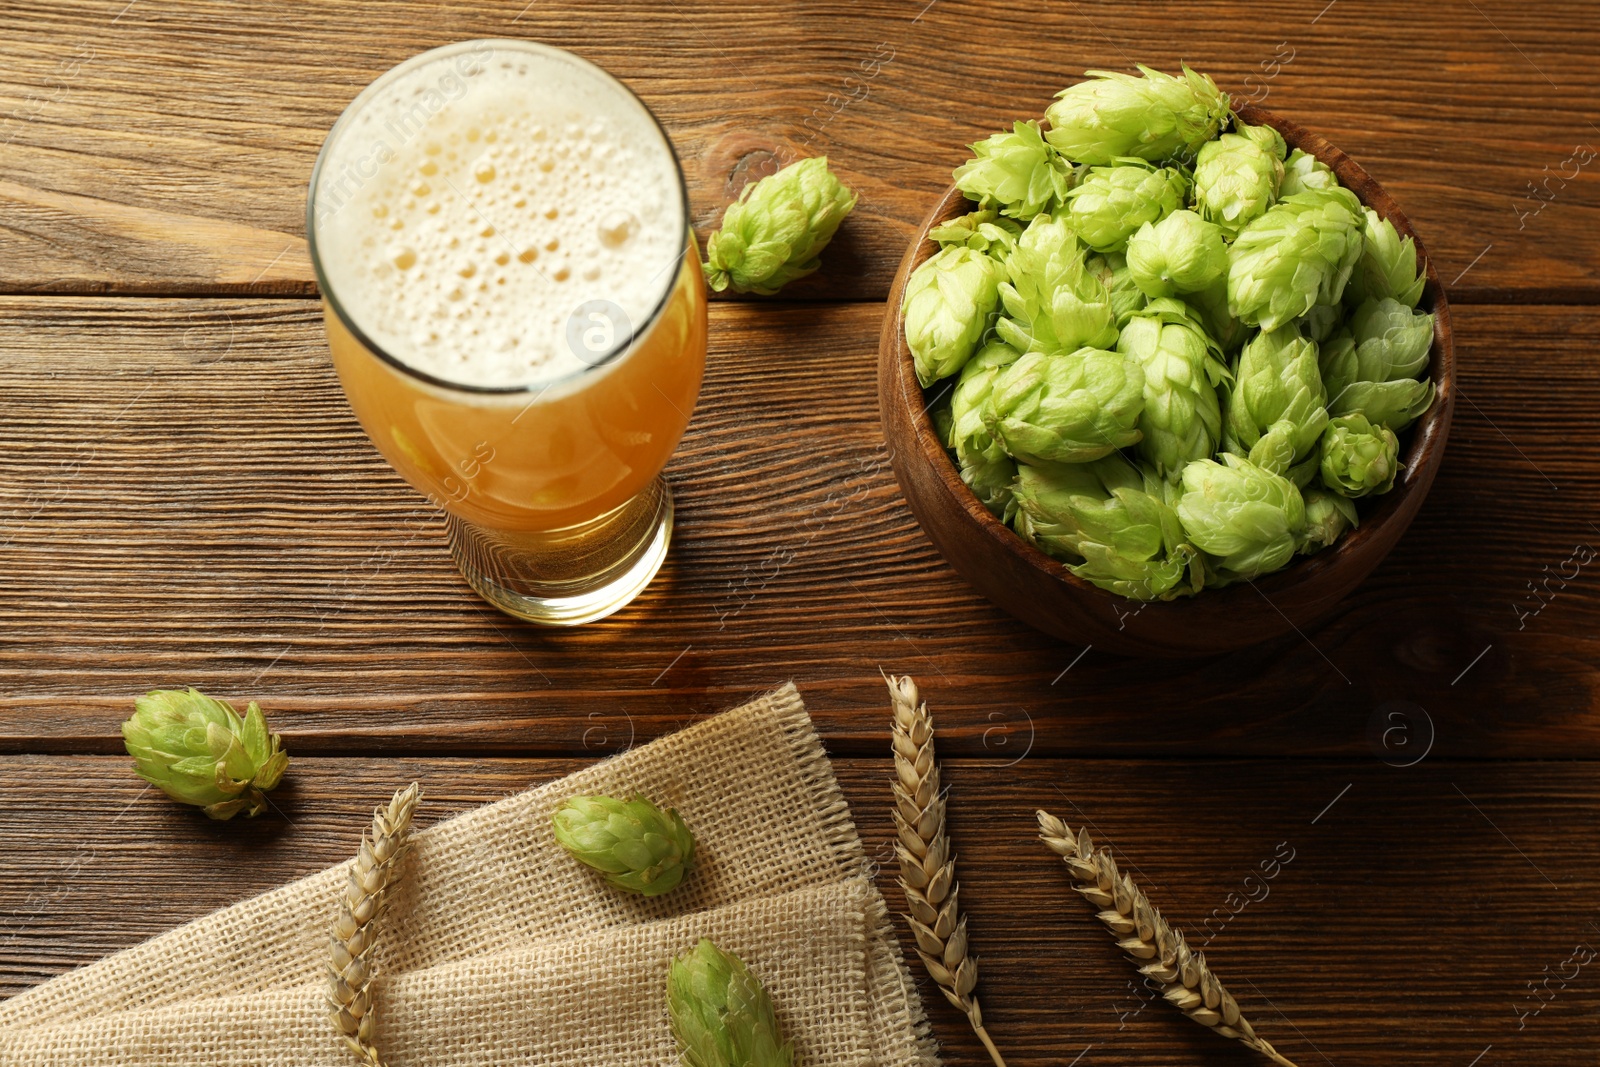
[571,576]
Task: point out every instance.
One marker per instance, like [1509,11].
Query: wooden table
[186,499]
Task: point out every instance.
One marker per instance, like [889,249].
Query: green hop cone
[1235,181]
[1322,321]
[776,231]
[1110,523]
[636,845]
[982,231]
[1182,418]
[1016,172]
[1392,340]
[1182,253]
[1394,403]
[1210,306]
[984,465]
[1109,204]
[1126,296]
[1303,171]
[1052,302]
[1267,138]
[1373,367]
[1277,407]
[948,304]
[969,436]
[1066,407]
[1298,254]
[1359,458]
[992,475]
[1328,516]
[1250,519]
[1388,266]
[1113,116]
[944,424]
[720,1014]
[1340,367]
[200,751]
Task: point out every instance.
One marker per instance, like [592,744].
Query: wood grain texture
[185,499]
[1480,123]
[81,243]
[1410,916]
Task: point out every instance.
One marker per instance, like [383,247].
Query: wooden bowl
[1043,593]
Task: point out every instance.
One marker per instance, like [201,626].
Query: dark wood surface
[1415,907]
[213,110]
[185,499]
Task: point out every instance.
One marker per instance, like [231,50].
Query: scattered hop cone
[1328,516]
[1182,419]
[1250,519]
[1235,181]
[720,1014]
[1066,408]
[1298,254]
[1395,403]
[1111,523]
[1182,253]
[636,845]
[982,231]
[948,305]
[1110,203]
[1359,458]
[1277,407]
[776,231]
[200,751]
[1303,171]
[1052,302]
[1017,173]
[1388,266]
[984,465]
[1112,116]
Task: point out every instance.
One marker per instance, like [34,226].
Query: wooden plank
[213,112]
[81,243]
[1414,909]
[185,499]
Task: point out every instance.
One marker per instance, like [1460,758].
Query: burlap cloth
[502,950]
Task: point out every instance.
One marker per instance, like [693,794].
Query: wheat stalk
[927,865]
[350,969]
[1154,947]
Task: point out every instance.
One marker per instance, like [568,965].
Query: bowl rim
[1421,459]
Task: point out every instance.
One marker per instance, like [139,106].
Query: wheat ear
[1154,947]
[927,865]
[350,968]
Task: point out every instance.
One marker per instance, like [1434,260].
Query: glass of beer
[515,308]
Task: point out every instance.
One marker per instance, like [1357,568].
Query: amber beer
[515,308]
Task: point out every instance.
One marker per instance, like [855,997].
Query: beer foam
[468,207]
